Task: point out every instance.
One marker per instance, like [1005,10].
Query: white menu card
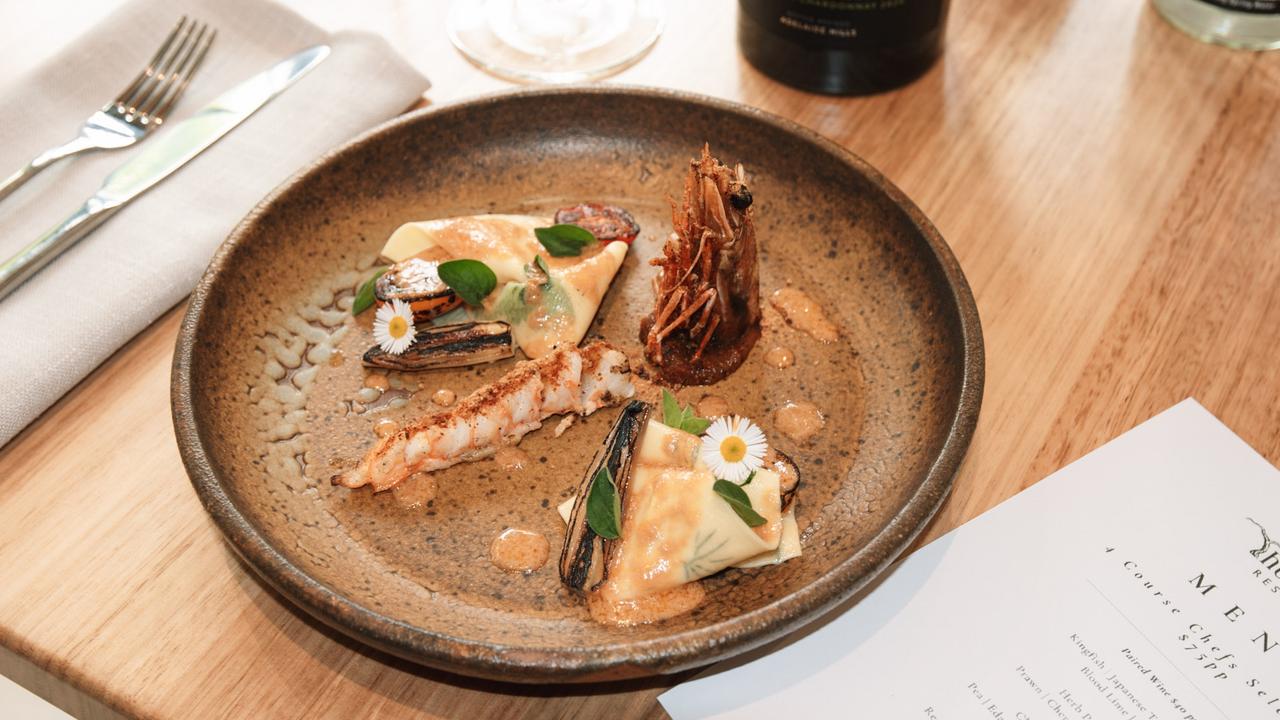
[1140,582]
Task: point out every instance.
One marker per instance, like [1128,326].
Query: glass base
[1210,23]
[554,41]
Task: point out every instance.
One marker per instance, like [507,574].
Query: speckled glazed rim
[672,653]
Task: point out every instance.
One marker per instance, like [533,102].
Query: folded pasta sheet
[677,529]
[542,311]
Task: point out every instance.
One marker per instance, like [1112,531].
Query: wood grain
[1108,185]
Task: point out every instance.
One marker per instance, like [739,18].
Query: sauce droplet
[780,357]
[804,314]
[517,550]
[416,491]
[711,406]
[336,358]
[443,397]
[377,380]
[511,458]
[385,427]
[799,421]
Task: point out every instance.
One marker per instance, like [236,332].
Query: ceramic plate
[409,573]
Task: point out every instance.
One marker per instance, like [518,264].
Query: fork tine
[124,96]
[173,75]
[184,74]
[157,73]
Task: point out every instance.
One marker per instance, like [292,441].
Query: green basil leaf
[750,477]
[681,418]
[364,296]
[672,415]
[546,271]
[564,240]
[738,500]
[694,424]
[471,279]
[604,507]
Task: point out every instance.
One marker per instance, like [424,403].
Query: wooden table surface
[1110,186]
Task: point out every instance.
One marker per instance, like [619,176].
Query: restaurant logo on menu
[1267,553]
[1267,544]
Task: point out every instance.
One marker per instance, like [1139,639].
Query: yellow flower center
[397,327]
[732,449]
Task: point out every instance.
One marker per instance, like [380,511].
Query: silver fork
[138,110]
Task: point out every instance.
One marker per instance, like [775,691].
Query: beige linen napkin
[65,321]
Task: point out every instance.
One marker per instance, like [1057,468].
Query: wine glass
[554,41]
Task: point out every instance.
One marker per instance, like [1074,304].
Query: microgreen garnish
[364,296]
[604,507]
[511,306]
[471,279]
[681,418]
[564,240]
[542,265]
[738,500]
[513,302]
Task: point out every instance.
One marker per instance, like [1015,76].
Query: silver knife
[168,152]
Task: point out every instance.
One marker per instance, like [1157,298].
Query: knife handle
[29,260]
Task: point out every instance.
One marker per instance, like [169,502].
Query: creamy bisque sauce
[646,609]
[429,529]
[511,458]
[799,421]
[802,313]
[779,357]
[517,550]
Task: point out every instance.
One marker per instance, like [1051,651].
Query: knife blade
[159,159]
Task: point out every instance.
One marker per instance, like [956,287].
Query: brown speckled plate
[901,392]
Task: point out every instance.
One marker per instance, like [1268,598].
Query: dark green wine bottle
[842,47]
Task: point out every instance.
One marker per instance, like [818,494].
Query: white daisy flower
[733,447]
[393,328]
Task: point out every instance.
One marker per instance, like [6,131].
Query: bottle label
[1258,7]
[853,23]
